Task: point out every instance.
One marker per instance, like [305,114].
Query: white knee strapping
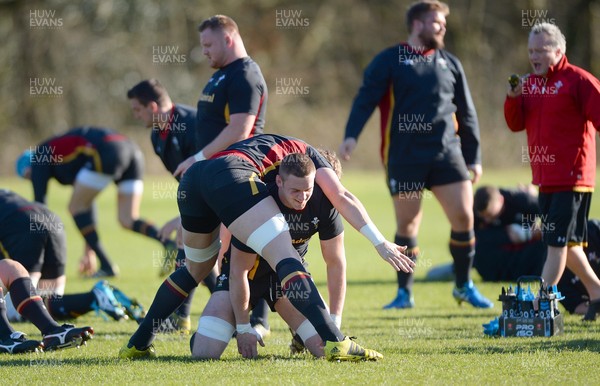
[215,328]
[131,187]
[265,233]
[92,179]
[200,255]
[306,330]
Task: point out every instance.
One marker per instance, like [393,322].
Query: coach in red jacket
[559,107]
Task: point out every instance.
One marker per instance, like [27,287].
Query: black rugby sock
[462,249]
[299,288]
[29,304]
[5,327]
[406,279]
[260,314]
[168,298]
[70,306]
[210,281]
[87,227]
[185,308]
[147,229]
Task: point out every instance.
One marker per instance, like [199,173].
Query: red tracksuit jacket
[560,112]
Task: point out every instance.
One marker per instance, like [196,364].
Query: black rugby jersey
[178,140]
[12,203]
[519,208]
[319,216]
[266,151]
[425,106]
[237,88]
[61,157]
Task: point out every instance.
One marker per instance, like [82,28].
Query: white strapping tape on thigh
[306,330]
[131,187]
[200,255]
[92,179]
[265,233]
[215,328]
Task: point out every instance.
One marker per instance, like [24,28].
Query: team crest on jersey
[221,279]
[219,80]
[593,258]
[557,86]
[442,63]
[175,142]
[315,222]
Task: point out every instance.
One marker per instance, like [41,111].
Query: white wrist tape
[371,232]
[306,331]
[521,232]
[199,156]
[337,319]
[247,329]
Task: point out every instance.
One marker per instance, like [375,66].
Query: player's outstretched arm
[355,213]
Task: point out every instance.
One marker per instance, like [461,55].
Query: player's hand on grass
[88,264]
[167,230]
[393,254]
[247,343]
[184,166]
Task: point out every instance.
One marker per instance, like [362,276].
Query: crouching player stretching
[307,211]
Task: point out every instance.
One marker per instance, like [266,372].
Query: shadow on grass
[484,318]
[486,346]
[517,345]
[55,360]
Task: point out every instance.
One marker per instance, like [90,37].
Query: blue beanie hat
[23,163]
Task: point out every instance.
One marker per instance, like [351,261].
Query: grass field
[437,342]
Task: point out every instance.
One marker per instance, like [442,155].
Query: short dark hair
[483,196]
[147,91]
[296,164]
[418,9]
[218,22]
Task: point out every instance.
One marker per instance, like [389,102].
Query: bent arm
[239,128]
[514,113]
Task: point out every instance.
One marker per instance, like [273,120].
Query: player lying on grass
[307,212]
[33,235]
[14,278]
[237,196]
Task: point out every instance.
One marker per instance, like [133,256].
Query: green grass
[436,342]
